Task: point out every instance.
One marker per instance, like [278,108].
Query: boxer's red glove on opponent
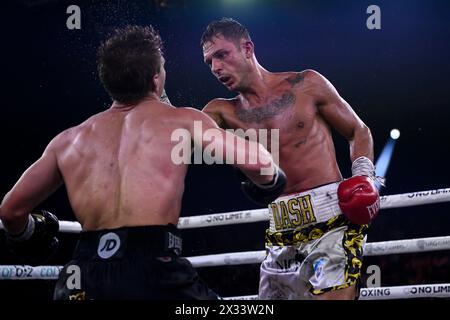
[358,196]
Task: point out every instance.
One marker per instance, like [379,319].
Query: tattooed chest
[278,107]
[293,116]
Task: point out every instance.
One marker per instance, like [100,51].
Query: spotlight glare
[395,134]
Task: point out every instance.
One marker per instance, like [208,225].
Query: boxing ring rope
[249,216]
[248,257]
[370,249]
[18,272]
[441,290]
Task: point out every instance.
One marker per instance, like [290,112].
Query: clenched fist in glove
[38,240]
[266,193]
[358,196]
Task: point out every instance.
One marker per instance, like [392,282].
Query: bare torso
[306,149]
[117,168]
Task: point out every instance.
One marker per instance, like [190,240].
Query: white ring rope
[370,249]
[249,257]
[17,272]
[377,293]
[441,290]
[248,216]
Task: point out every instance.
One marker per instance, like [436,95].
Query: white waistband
[305,208]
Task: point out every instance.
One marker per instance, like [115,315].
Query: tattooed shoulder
[296,79]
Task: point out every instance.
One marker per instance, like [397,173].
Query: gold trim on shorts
[352,243]
[304,234]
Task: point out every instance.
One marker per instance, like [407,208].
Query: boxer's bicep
[340,115]
[333,108]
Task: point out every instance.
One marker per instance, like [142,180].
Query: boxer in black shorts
[124,184]
[104,256]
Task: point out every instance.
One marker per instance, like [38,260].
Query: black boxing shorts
[130,263]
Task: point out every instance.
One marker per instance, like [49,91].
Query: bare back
[117,168]
[306,152]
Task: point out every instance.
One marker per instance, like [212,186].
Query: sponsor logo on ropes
[228,216]
[21,272]
[426,290]
[423,244]
[428,193]
[377,248]
[375,292]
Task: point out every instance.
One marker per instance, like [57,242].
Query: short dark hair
[127,62]
[229,28]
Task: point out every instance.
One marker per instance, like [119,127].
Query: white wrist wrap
[363,166]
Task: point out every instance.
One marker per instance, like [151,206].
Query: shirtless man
[122,184]
[313,250]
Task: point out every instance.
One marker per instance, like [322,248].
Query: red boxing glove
[359,199]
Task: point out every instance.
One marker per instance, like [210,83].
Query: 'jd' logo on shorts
[108,245]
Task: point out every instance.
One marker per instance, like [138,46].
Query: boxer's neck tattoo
[267,111]
[298,79]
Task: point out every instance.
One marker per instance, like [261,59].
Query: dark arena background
[393,77]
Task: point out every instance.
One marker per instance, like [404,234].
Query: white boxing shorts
[311,247]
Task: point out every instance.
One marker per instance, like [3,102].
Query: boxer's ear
[248,48]
[157,82]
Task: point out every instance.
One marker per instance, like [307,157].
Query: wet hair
[127,62]
[229,28]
